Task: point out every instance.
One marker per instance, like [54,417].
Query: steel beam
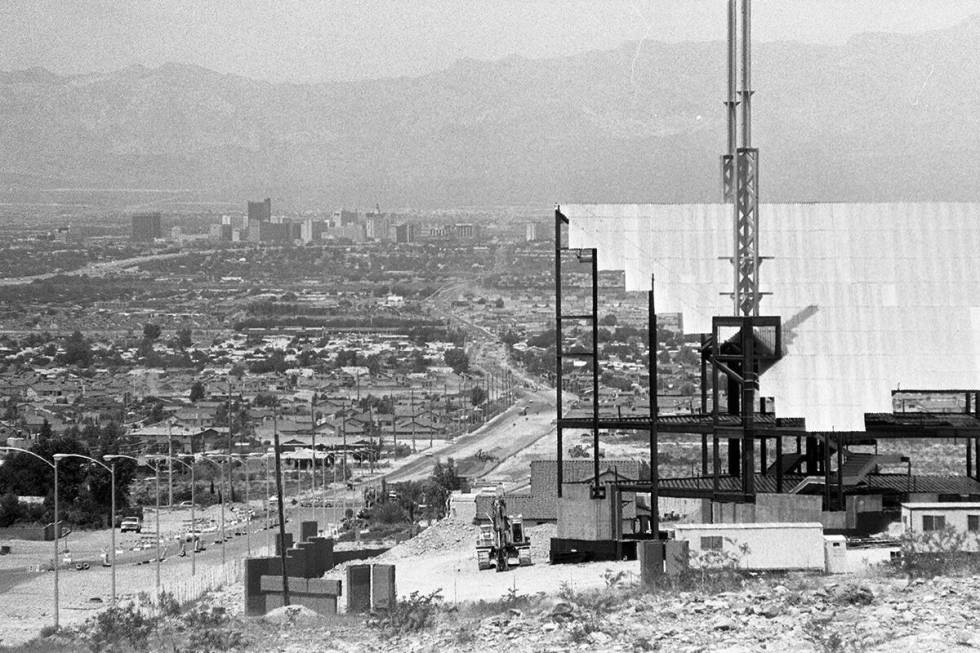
[654,411]
[559,218]
[598,490]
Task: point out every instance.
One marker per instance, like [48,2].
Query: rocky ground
[588,607]
[789,612]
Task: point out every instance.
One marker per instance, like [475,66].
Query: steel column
[654,412]
[750,385]
[279,501]
[826,471]
[779,464]
[840,475]
[597,490]
[969,458]
[558,340]
[714,415]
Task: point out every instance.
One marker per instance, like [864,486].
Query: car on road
[131,524]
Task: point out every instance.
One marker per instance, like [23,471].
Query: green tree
[45,433]
[457,359]
[184,338]
[77,350]
[151,331]
[197,391]
[477,395]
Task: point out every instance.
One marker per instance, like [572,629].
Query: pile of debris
[443,535]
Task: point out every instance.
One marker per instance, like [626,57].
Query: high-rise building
[464,231]
[376,226]
[405,233]
[531,232]
[146,227]
[260,211]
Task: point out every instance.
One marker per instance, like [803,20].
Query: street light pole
[170,463]
[57,533]
[221,484]
[268,495]
[248,511]
[112,517]
[157,585]
[156,472]
[194,536]
[56,530]
[112,531]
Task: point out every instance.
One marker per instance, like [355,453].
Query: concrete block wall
[307,530]
[346,555]
[769,508]
[370,587]
[677,557]
[582,518]
[787,508]
[306,563]
[383,587]
[650,554]
[359,588]
[289,542]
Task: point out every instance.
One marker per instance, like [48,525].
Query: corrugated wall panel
[897,303]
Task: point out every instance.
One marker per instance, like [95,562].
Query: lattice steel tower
[740,167]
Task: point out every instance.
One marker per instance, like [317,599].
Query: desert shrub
[589,608]
[389,512]
[936,553]
[204,640]
[711,571]
[412,614]
[826,636]
[854,594]
[512,600]
[167,604]
[117,625]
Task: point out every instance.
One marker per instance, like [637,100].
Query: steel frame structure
[753,344]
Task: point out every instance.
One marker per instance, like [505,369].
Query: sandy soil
[443,557]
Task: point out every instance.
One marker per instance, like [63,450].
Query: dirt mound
[444,535]
[541,542]
[289,614]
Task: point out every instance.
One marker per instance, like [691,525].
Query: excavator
[502,543]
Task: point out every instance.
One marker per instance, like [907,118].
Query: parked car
[131,524]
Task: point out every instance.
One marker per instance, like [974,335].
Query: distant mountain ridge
[882,117]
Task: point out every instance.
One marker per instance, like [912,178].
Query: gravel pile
[444,535]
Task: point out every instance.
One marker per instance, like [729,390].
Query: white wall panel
[895,287]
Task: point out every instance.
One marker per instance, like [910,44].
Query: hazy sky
[314,40]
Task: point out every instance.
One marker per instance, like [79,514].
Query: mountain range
[882,117]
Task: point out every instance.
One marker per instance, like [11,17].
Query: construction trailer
[862,320]
[770,546]
[955,522]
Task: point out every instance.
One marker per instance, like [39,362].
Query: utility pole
[412,404]
[279,500]
[343,428]
[371,438]
[170,463]
[231,422]
[313,447]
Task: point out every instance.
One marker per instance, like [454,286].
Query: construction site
[819,323]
